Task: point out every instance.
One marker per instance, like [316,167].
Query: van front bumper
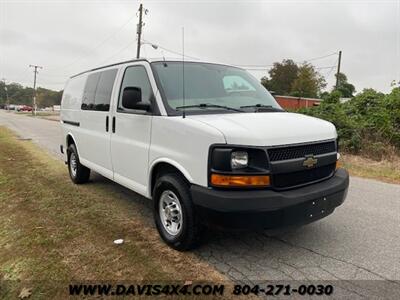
[269,208]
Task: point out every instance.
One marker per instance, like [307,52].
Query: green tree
[46,98]
[281,77]
[18,94]
[308,83]
[3,94]
[366,102]
[392,105]
[344,87]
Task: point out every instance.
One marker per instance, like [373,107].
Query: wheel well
[161,169]
[70,141]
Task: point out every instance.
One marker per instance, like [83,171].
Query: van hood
[268,129]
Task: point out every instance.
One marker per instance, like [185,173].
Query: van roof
[143,59]
[106,66]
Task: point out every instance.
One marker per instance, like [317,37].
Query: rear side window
[72,95]
[98,89]
[90,91]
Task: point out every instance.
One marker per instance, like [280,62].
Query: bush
[368,124]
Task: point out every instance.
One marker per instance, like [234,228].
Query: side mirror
[132,99]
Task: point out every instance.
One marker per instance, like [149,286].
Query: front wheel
[175,218]
[78,172]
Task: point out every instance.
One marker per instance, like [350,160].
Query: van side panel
[70,107]
[184,141]
[88,125]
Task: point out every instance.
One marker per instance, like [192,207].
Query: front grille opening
[285,180]
[292,152]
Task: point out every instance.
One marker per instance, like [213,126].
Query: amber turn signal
[338,164]
[239,180]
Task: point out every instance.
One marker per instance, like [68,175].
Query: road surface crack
[333,258]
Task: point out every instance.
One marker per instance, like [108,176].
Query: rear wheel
[78,172]
[175,218]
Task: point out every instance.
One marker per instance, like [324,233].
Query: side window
[97,92]
[104,88]
[90,91]
[136,76]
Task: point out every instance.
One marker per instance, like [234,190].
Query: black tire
[81,173]
[191,228]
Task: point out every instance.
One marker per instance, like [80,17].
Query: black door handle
[113,125]
[107,124]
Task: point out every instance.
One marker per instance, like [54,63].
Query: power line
[109,37]
[320,57]
[254,66]
[299,61]
[261,68]
[22,75]
[171,51]
[326,67]
[118,52]
[328,73]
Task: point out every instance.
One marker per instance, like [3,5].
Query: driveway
[359,241]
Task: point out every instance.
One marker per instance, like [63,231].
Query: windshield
[211,87]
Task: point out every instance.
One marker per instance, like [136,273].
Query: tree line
[368,123]
[301,80]
[20,95]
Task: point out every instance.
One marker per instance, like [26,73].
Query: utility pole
[34,87]
[5,88]
[139,30]
[338,69]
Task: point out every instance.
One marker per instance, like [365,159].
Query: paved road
[43,132]
[359,241]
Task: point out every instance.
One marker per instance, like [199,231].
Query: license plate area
[318,207]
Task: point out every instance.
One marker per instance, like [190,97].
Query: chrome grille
[299,151]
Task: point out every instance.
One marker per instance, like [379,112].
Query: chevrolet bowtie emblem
[310,161]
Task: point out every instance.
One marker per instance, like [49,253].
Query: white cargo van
[206,142]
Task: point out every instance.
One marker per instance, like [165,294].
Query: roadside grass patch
[53,232]
[385,170]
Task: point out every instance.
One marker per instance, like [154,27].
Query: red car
[25,108]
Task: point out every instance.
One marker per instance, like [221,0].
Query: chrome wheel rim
[170,211]
[73,164]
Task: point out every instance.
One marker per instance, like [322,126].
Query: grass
[53,232]
[385,170]
[42,114]
[51,116]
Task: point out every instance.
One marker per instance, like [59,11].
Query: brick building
[289,102]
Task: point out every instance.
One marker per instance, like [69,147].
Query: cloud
[65,36]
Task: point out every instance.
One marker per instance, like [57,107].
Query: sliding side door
[95,131]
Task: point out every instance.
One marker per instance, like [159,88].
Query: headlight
[239,159]
[338,162]
[238,167]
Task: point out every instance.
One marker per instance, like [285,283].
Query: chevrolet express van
[206,142]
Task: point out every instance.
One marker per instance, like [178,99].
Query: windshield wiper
[207,105]
[262,106]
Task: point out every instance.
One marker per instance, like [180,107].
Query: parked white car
[206,142]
